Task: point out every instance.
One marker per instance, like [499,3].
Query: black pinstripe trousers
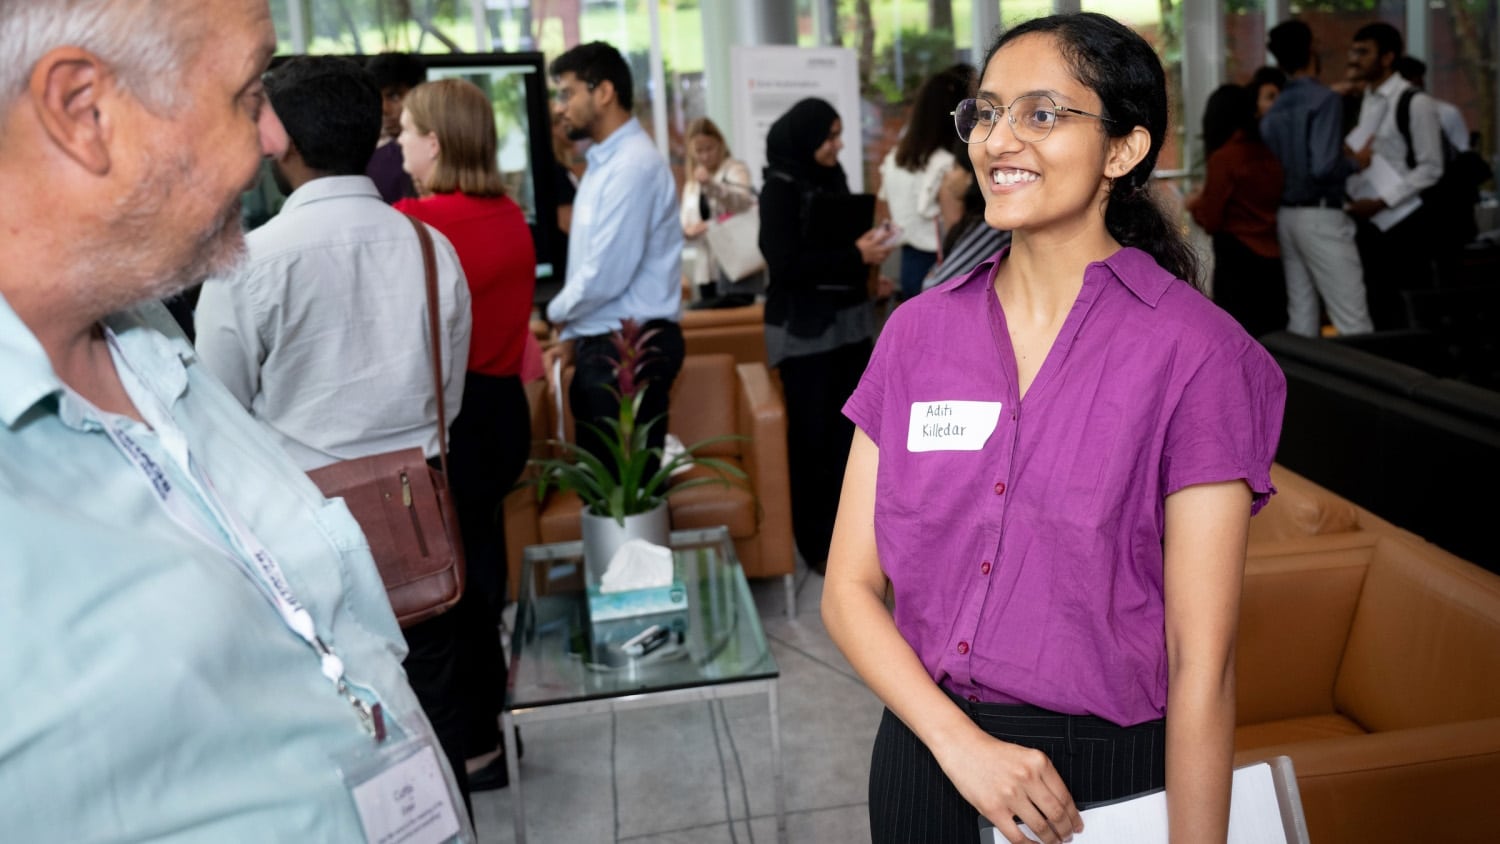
[913,802]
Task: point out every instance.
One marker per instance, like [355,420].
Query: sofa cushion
[1294,730]
[1301,508]
[1295,615]
[711,505]
[704,404]
[1424,647]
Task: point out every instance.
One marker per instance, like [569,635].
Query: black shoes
[494,775]
[491,777]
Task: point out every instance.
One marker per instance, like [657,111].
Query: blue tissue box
[612,606]
[615,617]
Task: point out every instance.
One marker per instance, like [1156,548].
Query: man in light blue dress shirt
[197,646]
[624,248]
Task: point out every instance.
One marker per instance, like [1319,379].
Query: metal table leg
[513,767]
[776,779]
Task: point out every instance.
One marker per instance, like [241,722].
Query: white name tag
[407,803]
[951,425]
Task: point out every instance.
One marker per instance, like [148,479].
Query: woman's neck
[1044,270]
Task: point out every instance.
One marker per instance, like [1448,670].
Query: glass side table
[554,674]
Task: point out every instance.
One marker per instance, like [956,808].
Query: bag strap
[429,268]
[1403,125]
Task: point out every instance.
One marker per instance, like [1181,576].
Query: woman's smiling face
[1058,179]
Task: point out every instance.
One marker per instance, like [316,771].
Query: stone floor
[699,773]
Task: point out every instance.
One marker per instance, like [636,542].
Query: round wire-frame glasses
[1031,117]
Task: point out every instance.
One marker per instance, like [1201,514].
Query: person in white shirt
[322,335]
[1394,240]
[911,175]
[1455,128]
[718,184]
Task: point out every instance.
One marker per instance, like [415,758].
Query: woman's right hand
[1005,781]
[692,230]
[870,246]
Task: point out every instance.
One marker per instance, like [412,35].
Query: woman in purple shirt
[1056,460]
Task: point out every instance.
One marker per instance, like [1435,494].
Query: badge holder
[400,792]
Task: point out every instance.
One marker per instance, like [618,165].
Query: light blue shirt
[625,245]
[150,691]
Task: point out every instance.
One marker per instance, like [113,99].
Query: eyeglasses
[562,95]
[1031,118]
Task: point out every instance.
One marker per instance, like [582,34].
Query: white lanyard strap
[262,569]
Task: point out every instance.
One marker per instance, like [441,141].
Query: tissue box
[617,616]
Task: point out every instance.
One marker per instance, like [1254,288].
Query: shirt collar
[1137,271]
[1391,87]
[26,375]
[148,337]
[331,187]
[602,151]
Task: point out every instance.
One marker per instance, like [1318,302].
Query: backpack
[1449,203]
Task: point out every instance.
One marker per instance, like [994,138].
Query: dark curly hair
[1119,66]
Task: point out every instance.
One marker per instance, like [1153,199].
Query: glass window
[1462,67]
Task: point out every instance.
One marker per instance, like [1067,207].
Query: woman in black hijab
[819,322]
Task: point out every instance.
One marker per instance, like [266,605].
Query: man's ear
[606,91]
[1126,152]
[67,88]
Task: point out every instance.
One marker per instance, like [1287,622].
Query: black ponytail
[1121,68]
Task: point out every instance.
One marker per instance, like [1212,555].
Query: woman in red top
[448,142]
[1237,205]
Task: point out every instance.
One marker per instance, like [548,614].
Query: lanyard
[244,548]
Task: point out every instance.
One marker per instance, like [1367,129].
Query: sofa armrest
[1295,615]
[762,419]
[1429,783]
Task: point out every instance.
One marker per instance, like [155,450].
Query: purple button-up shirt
[1024,538]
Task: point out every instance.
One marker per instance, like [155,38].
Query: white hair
[144,42]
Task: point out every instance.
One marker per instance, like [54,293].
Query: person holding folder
[818,245]
[1037,560]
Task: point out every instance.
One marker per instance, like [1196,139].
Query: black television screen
[517,86]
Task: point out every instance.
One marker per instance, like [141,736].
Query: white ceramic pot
[602,536]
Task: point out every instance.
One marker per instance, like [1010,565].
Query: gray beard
[138,265]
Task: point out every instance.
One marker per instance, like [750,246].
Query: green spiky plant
[618,485]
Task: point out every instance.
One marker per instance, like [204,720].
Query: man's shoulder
[1302,94]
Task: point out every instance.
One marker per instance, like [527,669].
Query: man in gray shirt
[1303,129]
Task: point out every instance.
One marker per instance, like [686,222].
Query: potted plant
[623,496]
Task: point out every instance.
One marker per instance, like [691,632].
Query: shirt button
[984,567]
[963,648]
[1000,488]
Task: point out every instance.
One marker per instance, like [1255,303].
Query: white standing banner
[767,81]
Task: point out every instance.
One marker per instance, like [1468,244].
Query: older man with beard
[197,645]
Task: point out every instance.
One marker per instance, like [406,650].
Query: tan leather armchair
[711,396]
[737,331]
[1372,659]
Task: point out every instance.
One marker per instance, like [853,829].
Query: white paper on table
[1254,815]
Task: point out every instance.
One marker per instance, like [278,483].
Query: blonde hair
[461,116]
[708,129]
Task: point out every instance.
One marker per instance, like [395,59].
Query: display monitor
[516,84]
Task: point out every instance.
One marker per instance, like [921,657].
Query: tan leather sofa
[1372,659]
[739,332]
[712,396]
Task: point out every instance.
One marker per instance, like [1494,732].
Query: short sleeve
[866,405]
[1226,422]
